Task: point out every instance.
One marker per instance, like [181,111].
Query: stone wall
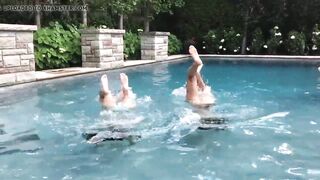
[102,48]
[16,48]
[154,45]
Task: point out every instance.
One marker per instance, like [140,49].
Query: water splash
[181,91]
[284,148]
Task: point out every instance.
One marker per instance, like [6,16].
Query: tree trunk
[121,21]
[245,33]
[146,25]
[38,15]
[146,18]
[84,15]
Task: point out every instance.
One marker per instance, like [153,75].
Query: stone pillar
[102,48]
[154,45]
[16,48]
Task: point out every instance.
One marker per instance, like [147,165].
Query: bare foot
[194,53]
[124,81]
[104,83]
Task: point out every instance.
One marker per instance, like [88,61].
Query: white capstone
[17,27]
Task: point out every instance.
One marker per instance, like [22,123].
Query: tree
[84,14]
[154,7]
[251,11]
[122,7]
[38,15]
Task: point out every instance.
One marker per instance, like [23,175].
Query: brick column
[102,48]
[154,45]
[16,48]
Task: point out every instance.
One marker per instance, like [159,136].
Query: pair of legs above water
[124,98]
[198,93]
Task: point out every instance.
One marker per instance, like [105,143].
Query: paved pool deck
[27,77]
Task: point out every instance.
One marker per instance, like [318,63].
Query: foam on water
[181,91]
[284,148]
[264,120]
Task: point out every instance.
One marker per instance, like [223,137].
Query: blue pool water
[273,128]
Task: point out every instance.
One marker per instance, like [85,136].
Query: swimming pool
[273,128]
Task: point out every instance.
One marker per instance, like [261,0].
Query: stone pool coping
[28,77]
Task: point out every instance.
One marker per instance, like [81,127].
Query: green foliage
[175,45]
[232,41]
[57,46]
[99,14]
[316,40]
[157,6]
[257,41]
[132,45]
[122,6]
[227,41]
[275,40]
[296,43]
[212,40]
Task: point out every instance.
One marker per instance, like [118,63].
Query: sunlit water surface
[273,128]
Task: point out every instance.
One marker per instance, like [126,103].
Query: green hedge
[132,49]
[174,45]
[57,46]
[296,43]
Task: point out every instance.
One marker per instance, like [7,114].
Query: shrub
[257,41]
[275,40]
[175,45]
[227,41]
[132,45]
[296,43]
[232,41]
[212,41]
[57,47]
[316,40]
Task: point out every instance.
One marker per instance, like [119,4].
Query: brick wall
[154,45]
[102,48]
[16,48]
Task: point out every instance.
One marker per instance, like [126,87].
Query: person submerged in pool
[125,99]
[198,93]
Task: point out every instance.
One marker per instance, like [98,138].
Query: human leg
[126,96]
[124,93]
[106,97]
[192,81]
[200,82]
